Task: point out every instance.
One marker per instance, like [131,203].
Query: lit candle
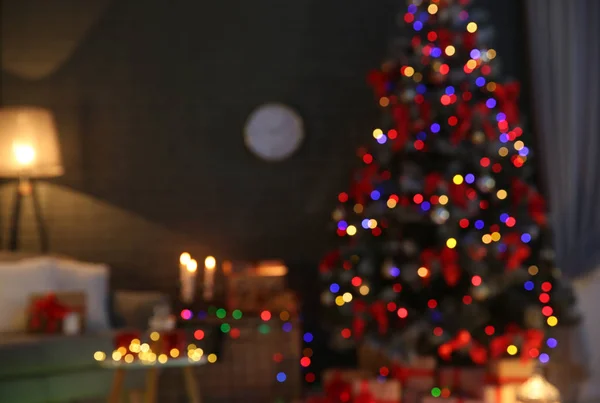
[210,263]
[187,277]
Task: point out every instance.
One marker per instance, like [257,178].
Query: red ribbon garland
[329,261]
[477,352]
[536,204]
[378,80]
[508,100]
[448,259]
[377,310]
[516,252]
[401,114]
[532,338]
[364,184]
[466,114]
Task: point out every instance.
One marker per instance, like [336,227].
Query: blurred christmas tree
[445,239]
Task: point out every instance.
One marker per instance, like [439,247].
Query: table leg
[191,386]
[151,385]
[117,386]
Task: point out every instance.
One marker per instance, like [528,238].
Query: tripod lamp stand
[29,150]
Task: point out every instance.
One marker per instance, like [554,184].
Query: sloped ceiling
[39,36]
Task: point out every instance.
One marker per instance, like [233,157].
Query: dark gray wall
[151,107]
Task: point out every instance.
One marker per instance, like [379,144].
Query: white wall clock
[273,132]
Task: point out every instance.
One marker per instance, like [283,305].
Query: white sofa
[22,278]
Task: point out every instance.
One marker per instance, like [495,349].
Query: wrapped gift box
[504,377]
[515,369]
[379,391]
[468,380]
[338,384]
[417,375]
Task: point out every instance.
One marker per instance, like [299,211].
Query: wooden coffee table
[152,372]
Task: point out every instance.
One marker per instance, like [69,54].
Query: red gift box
[467,380]
[338,384]
[377,391]
[416,376]
[124,339]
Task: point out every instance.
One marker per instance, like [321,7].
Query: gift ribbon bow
[532,338]
[50,308]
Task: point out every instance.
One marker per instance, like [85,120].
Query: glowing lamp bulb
[24,154]
[210,263]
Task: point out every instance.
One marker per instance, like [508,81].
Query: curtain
[564,46]
[564,40]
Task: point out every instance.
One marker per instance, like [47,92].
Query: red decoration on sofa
[47,314]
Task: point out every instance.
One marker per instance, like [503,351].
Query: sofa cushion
[92,279]
[18,282]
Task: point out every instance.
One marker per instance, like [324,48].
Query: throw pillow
[18,282]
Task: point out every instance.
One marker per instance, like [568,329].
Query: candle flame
[210,263]
[185,258]
[192,266]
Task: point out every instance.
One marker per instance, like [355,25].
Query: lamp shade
[29,143]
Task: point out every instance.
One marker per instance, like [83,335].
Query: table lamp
[29,150]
